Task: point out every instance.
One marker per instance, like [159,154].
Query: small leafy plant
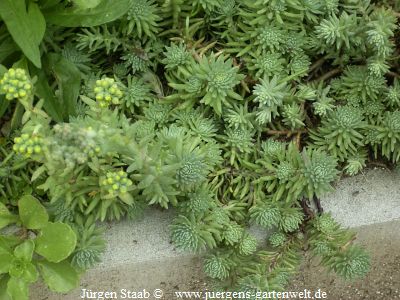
[38,248]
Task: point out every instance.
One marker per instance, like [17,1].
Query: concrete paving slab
[372,197]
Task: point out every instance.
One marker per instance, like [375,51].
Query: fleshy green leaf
[26,27]
[60,277]
[85,4]
[30,273]
[6,217]
[126,198]
[37,19]
[3,288]
[5,261]
[106,11]
[56,241]
[32,213]
[25,250]
[8,242]
[17,289]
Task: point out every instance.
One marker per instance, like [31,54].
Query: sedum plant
[231,112]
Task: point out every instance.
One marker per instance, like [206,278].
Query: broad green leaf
[30,273]
[6,217]
[5,261]
[69,81]
[25,250]
[3,288]
[37,19]
[44,4]
[43,90]
[17,289]
[32,213]
[8,242]
[60,277]
[85,4]
[56,241]
[26,27]
[106,11]
[26,271]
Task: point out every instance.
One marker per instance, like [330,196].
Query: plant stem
[286,132]
[329,74]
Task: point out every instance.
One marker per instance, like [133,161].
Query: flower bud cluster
[15,84]
[107,91]
[116,182]
[28,145]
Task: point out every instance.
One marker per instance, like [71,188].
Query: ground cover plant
[232,112]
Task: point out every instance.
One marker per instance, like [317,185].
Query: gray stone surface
[140,255]
[146,239]
[373,197]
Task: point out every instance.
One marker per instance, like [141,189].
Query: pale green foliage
[353,263]
[341,133]
[220,78]
[188,235]
[389,134]
[198,201]
[96,38]
[142,18]
[90,243]
[216,267]
[232,233]
[277,239]
[248,244]
[267,215]
[355,164]
[175,56]
[292,116]
[319,171]
[269,94]
[393,94]
[136,93]
[331,243]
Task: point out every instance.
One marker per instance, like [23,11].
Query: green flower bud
[116,182]
[28,145]
[15,84]
[106,91]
